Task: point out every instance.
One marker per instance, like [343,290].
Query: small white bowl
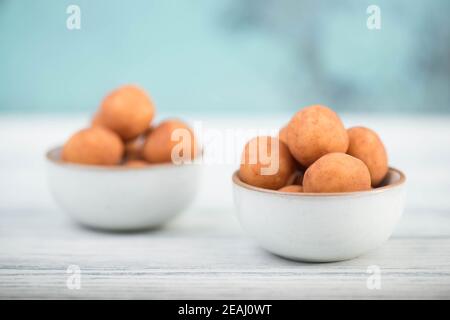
[118,197]
[320,227]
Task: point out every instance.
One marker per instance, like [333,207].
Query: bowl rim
[237,181]
[150,166]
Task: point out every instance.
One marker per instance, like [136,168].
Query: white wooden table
[204,254]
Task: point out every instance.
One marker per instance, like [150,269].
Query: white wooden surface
[204,253]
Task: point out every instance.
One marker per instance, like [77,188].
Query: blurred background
[227,56]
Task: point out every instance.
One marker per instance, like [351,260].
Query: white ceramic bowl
[320,227]
[121,198]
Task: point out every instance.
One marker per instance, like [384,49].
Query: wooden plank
[203,255]
[157,269]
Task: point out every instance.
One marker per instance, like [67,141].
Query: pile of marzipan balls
[316,154]
[121,133]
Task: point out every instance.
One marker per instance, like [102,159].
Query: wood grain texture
[204,254]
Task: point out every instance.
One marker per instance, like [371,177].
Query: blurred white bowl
[121,198]
[320,227]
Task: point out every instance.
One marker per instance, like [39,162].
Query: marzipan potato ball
[324,156]
[315,131]
[121,134]
[292,188]
[368,147]
[136,163]
[128,111]
[161,144]
[337,172]
[266,163]
[95,146]
[282,135]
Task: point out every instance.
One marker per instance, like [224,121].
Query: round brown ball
[96,146]
[159,143]
[282,134]
[315,131]
[367,146]
[292,188]
[337,172]
[128,111]
[266,163]
[136,163]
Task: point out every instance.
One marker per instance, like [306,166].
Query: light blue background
[226,56]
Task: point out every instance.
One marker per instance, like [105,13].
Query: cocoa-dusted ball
[292,188]
[315,131]
[96,145]
[367,146]
[136,163]
[128,111]
[170,141]
[266,163]
[282,134]
[337,172]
